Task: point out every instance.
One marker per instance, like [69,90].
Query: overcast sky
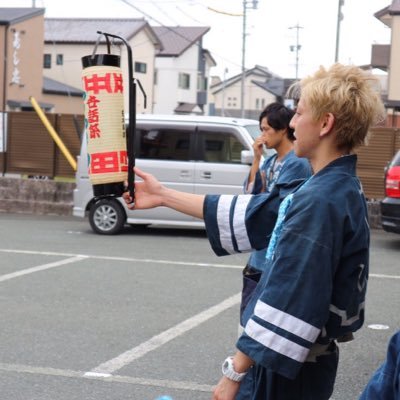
[270,28]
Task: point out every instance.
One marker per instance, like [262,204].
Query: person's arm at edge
[226,388]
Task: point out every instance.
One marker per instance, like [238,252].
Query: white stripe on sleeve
[223,212]
[239,225]
[276,342]
[286,321]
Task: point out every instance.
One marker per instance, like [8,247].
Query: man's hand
[226,389]
[258,147]
[148,193]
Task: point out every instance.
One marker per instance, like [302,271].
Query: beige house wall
[143,50]
[231,96]
[2,51]
[394,71]
[65,104]
[256,93]
[24,60]
[70,72]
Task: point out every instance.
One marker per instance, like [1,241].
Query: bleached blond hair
[350,94]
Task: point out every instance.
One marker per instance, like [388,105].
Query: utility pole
[244,34]
[223,93]
[339,19]
[296,47]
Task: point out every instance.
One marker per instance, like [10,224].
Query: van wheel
[107,217]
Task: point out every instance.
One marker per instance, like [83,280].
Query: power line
[225,13]
[162,11]
[150,17]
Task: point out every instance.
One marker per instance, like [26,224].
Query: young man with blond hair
[312,291]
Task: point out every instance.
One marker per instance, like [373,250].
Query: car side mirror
[246,157]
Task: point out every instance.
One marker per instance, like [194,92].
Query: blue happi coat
[271,173]
[313,289]
[385,382]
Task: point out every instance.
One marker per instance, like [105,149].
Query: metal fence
[374,157]
[30,150]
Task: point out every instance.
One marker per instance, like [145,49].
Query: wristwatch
[229,371]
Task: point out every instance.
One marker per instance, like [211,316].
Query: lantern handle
[96,45]
[143,93]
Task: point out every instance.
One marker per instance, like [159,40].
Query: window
[201,83]
[164,144]
[184,81]
[254,130]
[47,61]
[221,147]
[140,67]
[60,59]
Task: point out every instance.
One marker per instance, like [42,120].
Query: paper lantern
[104,123]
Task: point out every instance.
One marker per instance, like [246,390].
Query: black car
[390,205]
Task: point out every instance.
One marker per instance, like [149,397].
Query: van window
[254,130]
[219,147]
[163,144]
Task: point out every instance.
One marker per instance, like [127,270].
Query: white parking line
[43,267]
[149,260]
[384,276]
[166,384]
[159,340]
[138,260]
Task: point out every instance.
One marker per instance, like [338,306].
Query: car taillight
[392,182]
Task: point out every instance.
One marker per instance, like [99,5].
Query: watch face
[229,371]
[226,365]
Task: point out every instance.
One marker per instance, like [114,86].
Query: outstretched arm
[150,193]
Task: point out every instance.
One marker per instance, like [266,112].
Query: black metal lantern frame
[131,131]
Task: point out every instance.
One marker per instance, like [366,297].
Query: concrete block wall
[374,214]
[35,196]
[31,196]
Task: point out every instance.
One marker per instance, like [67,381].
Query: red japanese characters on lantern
[104,122]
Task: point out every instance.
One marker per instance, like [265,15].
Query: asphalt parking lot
[145,313]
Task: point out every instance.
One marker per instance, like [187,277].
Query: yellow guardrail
[53,133]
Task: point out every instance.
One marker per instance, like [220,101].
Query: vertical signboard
[3,132]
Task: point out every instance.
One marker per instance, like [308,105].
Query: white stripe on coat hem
[286,321]
[276,342]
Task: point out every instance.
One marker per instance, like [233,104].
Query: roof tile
[84,30]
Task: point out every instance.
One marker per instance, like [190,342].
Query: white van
[196,154]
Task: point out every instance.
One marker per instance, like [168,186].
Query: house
[21,47]
[387,57]
[66,41]
[182,71]
[21,74]
[261,87]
